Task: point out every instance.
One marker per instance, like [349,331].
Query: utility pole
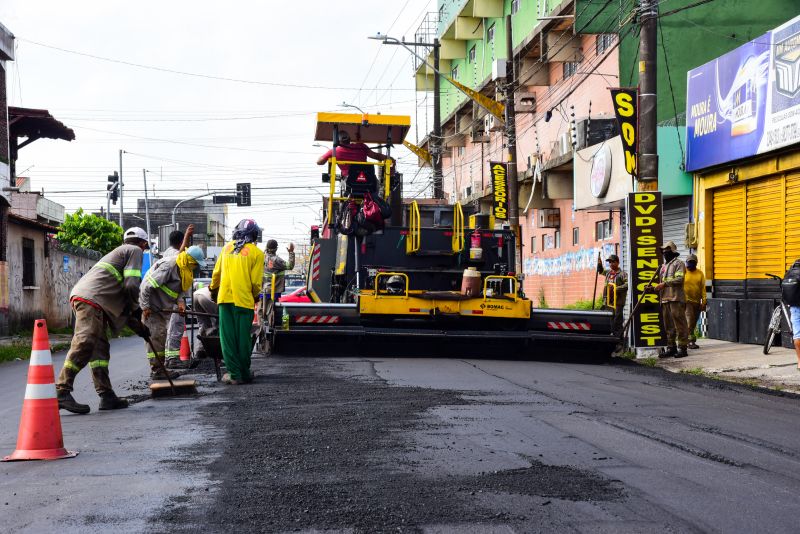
[121,212]
[511,143]
[146,208]
[648,102]
[436,141]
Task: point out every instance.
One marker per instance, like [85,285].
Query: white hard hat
[135,233]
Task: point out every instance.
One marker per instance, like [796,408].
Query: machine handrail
[514,284]
[387,175]
[458,229]
[414,229]
[611,295]
[387,274]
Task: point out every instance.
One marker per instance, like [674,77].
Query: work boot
[67,402]
[110,401]
[669,352]
[681,352]
[159,374]
[693,345]
[176,363]
[226,378]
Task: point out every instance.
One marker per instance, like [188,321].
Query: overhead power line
[197,74]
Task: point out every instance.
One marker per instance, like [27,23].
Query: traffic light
[243,194]
[112,189]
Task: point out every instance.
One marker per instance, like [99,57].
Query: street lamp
[436,135]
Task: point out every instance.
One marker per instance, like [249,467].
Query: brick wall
[566,274]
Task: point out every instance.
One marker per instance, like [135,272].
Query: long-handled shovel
[627,324]
[185,386]
[596,276]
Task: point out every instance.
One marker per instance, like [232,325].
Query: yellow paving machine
[434,273]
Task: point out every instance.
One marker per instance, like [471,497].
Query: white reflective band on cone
[40,391]
[41,357]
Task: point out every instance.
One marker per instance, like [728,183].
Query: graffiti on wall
[570,262]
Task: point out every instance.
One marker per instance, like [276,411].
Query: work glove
[139,328]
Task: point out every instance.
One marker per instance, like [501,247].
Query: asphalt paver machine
[434,277]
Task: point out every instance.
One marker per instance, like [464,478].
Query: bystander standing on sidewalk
[790,293]
[694,285]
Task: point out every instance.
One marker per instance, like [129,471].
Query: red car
[298,295]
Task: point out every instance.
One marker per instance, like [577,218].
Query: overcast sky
[191,132]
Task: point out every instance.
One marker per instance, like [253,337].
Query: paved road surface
[409,445]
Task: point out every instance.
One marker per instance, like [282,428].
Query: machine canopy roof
[376,129]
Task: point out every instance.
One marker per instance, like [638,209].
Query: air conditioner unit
[478,135]
[549,218]
[595,131]
[491,124]
[498,69]
[564,144]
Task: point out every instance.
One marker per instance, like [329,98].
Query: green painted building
[688,36]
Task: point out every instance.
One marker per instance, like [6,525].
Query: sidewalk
[739,363]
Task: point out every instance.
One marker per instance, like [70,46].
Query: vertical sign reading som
[625,100]
[645,231]
[499,173]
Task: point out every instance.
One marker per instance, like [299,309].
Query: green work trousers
[234,334]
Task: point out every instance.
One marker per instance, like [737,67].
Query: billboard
[745,102]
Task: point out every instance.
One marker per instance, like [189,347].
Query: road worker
[347,151]
[209,326]
[162,291]
[616,286]
[235,285]
[694,285]
[178,242]
[673,301]
[277,267]
[105,297]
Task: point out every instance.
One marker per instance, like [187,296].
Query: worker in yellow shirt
[235,286]
[694,285]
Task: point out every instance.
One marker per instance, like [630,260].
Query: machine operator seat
[361,179]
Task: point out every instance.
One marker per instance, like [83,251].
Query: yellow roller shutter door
[792,219]
[729,232]
[765,227]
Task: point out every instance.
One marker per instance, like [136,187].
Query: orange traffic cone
[186,352]
[40,435]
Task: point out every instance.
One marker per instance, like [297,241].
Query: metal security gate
[765,228]
[728,232]
[676,216]
[792,219]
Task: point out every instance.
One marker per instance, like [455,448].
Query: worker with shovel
[162,291]
[105,297]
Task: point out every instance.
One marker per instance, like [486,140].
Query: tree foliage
[90,231]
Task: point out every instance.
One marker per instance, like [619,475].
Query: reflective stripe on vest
[98,363]
[110,268]
[132,273]
[165,289]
